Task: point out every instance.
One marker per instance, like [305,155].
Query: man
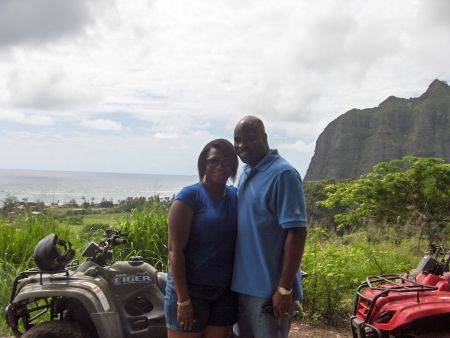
[271,235]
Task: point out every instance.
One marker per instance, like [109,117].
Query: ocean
[62,186]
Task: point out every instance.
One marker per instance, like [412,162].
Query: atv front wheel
[56,329]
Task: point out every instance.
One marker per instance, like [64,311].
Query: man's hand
[293,252]
[282,305]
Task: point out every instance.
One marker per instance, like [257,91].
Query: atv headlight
[385,317]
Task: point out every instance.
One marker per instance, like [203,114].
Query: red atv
[413,306]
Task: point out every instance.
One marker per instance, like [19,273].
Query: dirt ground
[305,330]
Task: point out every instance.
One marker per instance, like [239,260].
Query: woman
[202,231]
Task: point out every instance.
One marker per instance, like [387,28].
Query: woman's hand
[185,316]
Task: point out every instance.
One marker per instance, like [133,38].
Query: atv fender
[102,312]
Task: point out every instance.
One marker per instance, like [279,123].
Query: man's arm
[291,212]
[293,252]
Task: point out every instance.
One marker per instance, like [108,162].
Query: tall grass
[336,267]
[147,229]
[17,244]
[19,239]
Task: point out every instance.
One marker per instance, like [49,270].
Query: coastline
[61,187]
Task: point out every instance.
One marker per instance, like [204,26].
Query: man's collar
[265,162]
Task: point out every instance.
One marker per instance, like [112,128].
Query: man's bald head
[251,123]
[250,140]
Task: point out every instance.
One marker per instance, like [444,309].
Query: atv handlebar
[102,252]
[113,238]
[118,241]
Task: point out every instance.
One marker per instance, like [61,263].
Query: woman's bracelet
[185,303]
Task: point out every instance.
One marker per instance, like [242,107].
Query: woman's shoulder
[194,186]
[193,195]
[189,190]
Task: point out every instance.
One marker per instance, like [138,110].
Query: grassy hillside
[336,265]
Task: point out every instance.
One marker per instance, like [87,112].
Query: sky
[141,86]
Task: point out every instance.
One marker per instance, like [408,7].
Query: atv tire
[56,329]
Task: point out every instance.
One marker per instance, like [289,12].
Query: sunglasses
[214,162]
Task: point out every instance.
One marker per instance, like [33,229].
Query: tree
[413,190]
[318,215]
[10,204]
[85,204]
[72,203]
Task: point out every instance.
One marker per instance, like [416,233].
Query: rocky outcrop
[355,141]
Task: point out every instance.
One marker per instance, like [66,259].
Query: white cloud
[40,21]
[189,70]
[102,124]
[49,87]
[30,119]
[113,152]
[169,135]
[298,146]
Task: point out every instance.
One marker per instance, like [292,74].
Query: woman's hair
[227,150]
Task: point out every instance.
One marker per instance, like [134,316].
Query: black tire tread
[56,329]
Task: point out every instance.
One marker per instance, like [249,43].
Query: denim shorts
[213,306]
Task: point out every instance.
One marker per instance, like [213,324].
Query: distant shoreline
[60,187]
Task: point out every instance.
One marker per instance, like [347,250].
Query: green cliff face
[355,141]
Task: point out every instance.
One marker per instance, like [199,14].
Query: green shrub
[75,220]
[336,266]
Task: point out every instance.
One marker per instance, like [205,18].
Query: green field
[79,217]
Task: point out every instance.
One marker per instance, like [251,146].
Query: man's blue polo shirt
[270,201]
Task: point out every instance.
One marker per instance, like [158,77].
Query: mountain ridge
[352,143]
